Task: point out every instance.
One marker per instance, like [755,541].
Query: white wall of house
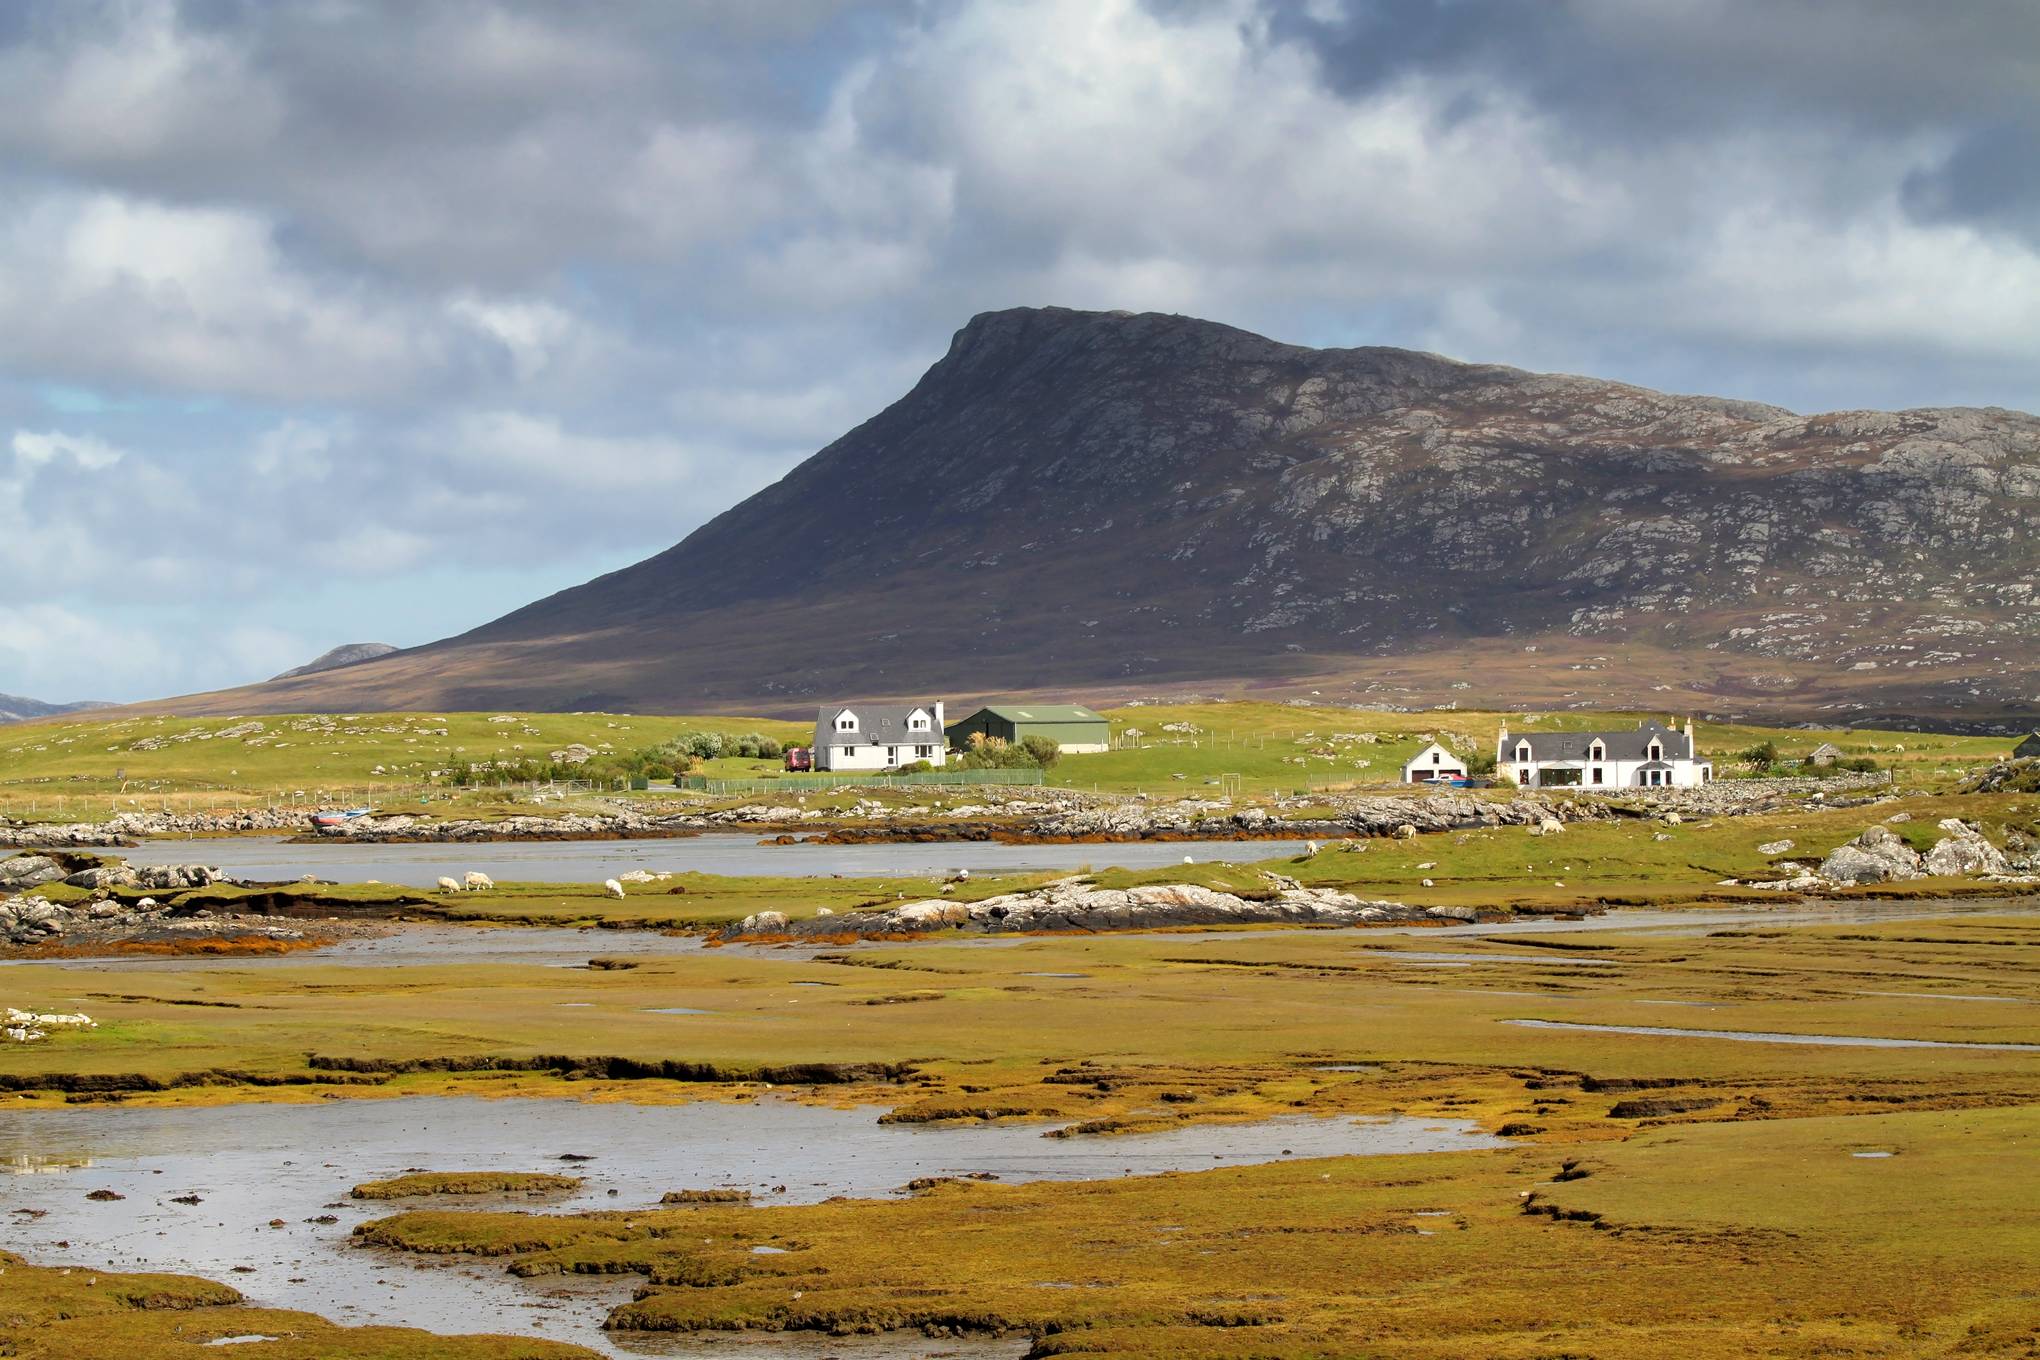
[876,757]
[1609,774]
[903,748]
[1431,764]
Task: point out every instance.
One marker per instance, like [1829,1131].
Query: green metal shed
[1078,730]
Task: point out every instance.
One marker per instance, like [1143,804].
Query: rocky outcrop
[346,654]
[2007,776]
[157,877]
[1964,851]
[1075,905]
[30,922]
[18,873]
[1876,856]
[130,827]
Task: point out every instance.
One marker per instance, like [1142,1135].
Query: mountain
[1110,504]
[346,654]
[14,708]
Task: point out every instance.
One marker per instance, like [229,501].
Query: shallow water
[273,859]
[253,1163]
[1758,1036]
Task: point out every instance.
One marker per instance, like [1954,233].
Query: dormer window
[917,721]
[1522,750]
[1598,751]
[846,721]
[1657,751]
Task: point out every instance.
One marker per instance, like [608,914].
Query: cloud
[85,451]
[494,295]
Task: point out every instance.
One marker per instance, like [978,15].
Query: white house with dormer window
[1432,764]
[878,736]
[1653,756]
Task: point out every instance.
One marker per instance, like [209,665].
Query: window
[918,722]
[1523,776]
[1597,774]
[846,722]
[1597,752]
[1657,751]
[923,752]
[1436,758]
[1523,751]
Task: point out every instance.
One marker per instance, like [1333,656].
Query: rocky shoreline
[1075,905]
[1041,816]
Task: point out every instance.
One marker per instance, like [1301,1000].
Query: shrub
[1045,751]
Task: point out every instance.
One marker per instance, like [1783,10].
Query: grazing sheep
[448,885]
[612,887]
[477,882]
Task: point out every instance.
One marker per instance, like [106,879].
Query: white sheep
[448,884]
[477,882]
[612,887]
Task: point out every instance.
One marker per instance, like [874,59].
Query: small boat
[324,819]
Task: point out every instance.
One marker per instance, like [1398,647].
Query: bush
[1762,757]
[1480,764]
[918,767]
[1045,751]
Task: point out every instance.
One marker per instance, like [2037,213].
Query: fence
[797,783]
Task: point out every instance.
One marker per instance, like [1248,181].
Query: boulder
[1964,851]
[1876,856]
[22,872]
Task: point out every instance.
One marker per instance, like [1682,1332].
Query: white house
[1653,756]
[1432,764]
[878,736]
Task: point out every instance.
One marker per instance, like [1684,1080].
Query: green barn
[1076,729]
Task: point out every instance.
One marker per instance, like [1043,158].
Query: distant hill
[14,708]
[347,654]
[1107,505]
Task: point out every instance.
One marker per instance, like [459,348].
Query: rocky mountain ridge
[346,654]
[1110,503]
[14,708]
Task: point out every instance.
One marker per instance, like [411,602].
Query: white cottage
[1653,756]
[1432,764]
[878,736]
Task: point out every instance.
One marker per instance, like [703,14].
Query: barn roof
[1041,713]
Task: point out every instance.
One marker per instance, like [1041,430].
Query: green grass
[83,770]
[1283,748]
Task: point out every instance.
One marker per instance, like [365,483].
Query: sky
[352,321]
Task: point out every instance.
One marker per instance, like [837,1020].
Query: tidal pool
[250,1164]
[1758,1036]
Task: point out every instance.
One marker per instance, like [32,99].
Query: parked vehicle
[801,758]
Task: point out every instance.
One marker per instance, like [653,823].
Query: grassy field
[81,770]
[1663,1195]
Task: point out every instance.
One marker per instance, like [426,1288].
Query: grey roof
[2031,743]
[877,725]
[1545,746]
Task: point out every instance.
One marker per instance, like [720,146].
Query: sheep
[448,884]
[612,887]
[477,882]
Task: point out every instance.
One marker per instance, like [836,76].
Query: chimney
[1502,740]
[938,715]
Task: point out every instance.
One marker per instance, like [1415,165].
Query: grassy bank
[64,1313]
